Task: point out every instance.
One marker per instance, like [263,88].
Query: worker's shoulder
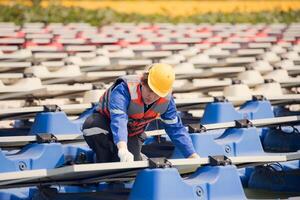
[120,87]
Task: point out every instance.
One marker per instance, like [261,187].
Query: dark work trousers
[98,135]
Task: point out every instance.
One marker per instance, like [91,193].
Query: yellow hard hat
[161,78]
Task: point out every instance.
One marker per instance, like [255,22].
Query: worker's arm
[177,132]
[119,102]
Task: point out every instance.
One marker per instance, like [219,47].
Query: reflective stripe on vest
[137,117]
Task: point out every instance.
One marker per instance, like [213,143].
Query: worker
[116,131]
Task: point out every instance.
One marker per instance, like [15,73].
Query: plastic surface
[233,142]
[280,140]
[225,112]
[275,179]
[54,123]
[33,156]
[206,183]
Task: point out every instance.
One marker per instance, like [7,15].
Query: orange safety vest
[137,117]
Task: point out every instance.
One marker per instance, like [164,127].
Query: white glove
[125,155]
[194,156]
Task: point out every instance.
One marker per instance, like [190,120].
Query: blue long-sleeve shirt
[118,105]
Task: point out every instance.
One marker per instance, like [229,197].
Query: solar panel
[91,173]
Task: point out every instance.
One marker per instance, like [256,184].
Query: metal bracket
[269,81]
[220,99]
[259,98]
[98,86]
[248,68]
[196,128]
[236,81]
[243,123]
[159,163]
[45,138]
[220,160]
[277,67]
[52,108]
[28,75]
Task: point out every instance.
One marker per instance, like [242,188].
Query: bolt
[227,149]
[199,191]
[22,166]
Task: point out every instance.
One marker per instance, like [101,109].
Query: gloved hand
[194,156]
[123,153]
